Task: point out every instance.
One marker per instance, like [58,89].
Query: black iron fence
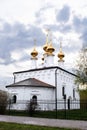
[62,109]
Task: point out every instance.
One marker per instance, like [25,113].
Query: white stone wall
[24,94]
[68,81]
[48,76]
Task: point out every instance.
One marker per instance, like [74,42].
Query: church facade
[46,83]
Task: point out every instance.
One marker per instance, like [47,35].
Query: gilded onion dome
[61,54]
[50,48]
[34,53]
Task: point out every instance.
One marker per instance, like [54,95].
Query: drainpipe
[56,91]
[14,77]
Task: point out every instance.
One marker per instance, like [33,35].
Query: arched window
[14,99]
[34,98]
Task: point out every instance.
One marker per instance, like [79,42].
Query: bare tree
[3,101]
[81,78]
[82,68]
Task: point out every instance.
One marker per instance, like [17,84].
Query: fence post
[9,106]
[68,104]
[65,104]
[56,91]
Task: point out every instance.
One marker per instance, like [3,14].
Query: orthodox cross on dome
[50,48]
[61,46]
[47,30]
[34,42]
[50,36]
[47,41]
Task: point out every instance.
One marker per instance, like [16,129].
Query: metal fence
[62,109]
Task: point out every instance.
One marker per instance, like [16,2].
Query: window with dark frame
[73,93]
[14,99]
[63,91]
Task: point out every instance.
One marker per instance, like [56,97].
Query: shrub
[3,101]
[83,99]
[31,106]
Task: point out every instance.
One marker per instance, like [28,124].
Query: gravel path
[45,122]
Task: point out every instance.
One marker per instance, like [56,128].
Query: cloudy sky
[22,21]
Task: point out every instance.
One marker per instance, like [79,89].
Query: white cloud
[2,60]
[19,10]
[24,11]
[17,55]
[6,70]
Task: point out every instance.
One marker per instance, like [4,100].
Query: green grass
[14,126]
[68,114]
[61,114]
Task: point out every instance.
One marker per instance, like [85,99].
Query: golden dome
[61,54]
[34,53]
[50,48]
[45,47]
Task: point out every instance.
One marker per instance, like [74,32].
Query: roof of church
[31,82]
[45,68]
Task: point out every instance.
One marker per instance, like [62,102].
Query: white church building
[47,83]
